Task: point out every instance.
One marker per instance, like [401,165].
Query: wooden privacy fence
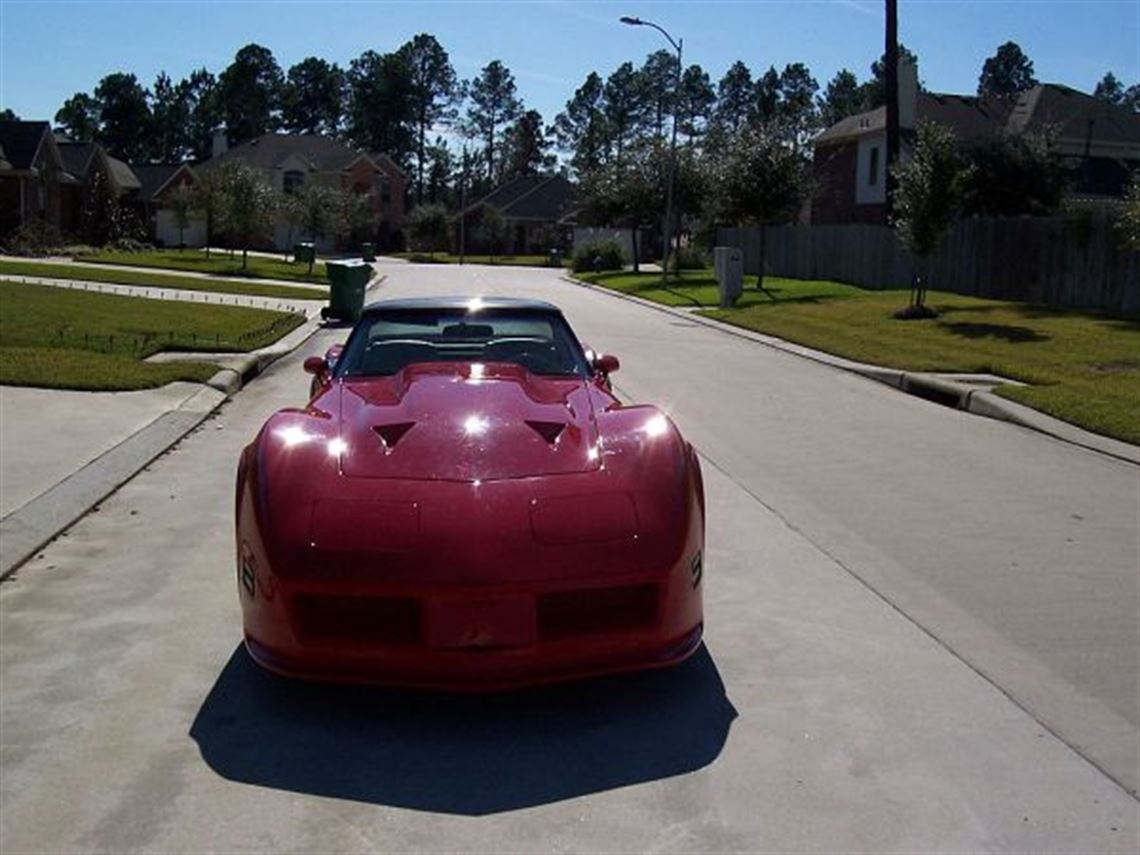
[1056,261]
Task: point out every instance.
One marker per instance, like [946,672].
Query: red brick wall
[834,168]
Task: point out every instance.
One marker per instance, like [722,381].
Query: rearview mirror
[316,365]
[606,364]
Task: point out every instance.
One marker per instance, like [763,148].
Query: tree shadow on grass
[462,754]
[1005,332]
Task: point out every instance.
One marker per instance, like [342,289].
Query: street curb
[32,526]
[968,397]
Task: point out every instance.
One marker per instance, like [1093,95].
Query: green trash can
[368,251]
[304,252]
[347,281]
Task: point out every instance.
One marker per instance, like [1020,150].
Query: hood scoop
[393,433]
[550,431]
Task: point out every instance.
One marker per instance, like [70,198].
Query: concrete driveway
[922,635]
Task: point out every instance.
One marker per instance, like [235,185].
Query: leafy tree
[170,113]
[250,204]
[428,227]
[1007,72]
[250,94]
[735,98]
[1128,225]
[581,127]
[319,209]
[79,117]
[7,115]
[1131,98]
[1109,89]
[102,218]
[621,108]
[181,204]
[202,97]
[495,227]
[291,210]
[841,99]
[796,108]
[312,100]
[124,116]
[434,91]
[657,85]
[441,168]
[1013,175]
[526,149]
[209,200]
[927,196]
[622,194]
[493,105]
[760,180]
[696,101]
[353,215]
[380,104]
[875,90]
[768,93]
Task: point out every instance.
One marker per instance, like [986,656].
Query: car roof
[461,303]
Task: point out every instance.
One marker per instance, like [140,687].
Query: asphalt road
[923,633]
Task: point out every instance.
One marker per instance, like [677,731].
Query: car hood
[463,422]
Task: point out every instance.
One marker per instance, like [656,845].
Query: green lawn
[1082,366]
[67,339]
[219,263]
[154,280]
[448,258]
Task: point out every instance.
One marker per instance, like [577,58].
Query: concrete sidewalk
[63,452]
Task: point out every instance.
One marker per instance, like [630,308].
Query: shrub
[34,238]
[689,258]
[599,255]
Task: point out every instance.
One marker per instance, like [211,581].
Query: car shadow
[1004,332]
[462,754]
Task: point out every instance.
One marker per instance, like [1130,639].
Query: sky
[50,49]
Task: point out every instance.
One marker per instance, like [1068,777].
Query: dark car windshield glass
[385,342]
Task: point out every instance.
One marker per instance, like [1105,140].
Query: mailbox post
[728,262]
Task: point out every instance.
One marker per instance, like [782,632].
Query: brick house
[1098,142]
[32,176]
[531,206]
[289,162]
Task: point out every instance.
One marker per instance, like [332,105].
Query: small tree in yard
[291,208]
[1128,226]
[250,205]
[353,214]
[428,228]
[181,205]
[319,211]
[209,201]
[496,228]
[760,180]
[927,197]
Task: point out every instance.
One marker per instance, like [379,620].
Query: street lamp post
[667,233]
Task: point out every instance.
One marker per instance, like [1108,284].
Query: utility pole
[463,208]
[891,61]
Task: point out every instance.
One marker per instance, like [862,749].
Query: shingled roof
[531,197]
[154,176]
[267,151]
[19,142]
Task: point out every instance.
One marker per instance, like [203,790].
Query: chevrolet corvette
[465,505]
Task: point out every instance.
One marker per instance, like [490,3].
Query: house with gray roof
[1098,142]
[531,206]
[32,175]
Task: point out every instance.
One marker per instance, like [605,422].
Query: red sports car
[464,505]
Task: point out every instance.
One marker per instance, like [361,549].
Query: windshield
[384,342]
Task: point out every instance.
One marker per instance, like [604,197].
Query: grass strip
[67,339]
[146,279]
[1081,366]
[449,258]
[218,264]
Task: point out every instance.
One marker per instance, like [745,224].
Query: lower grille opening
[366,620]
[570,614]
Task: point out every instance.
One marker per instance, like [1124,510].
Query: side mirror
[606,364]
[332,355]
[316,365]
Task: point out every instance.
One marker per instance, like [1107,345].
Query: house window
[873,169]
[294,180]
